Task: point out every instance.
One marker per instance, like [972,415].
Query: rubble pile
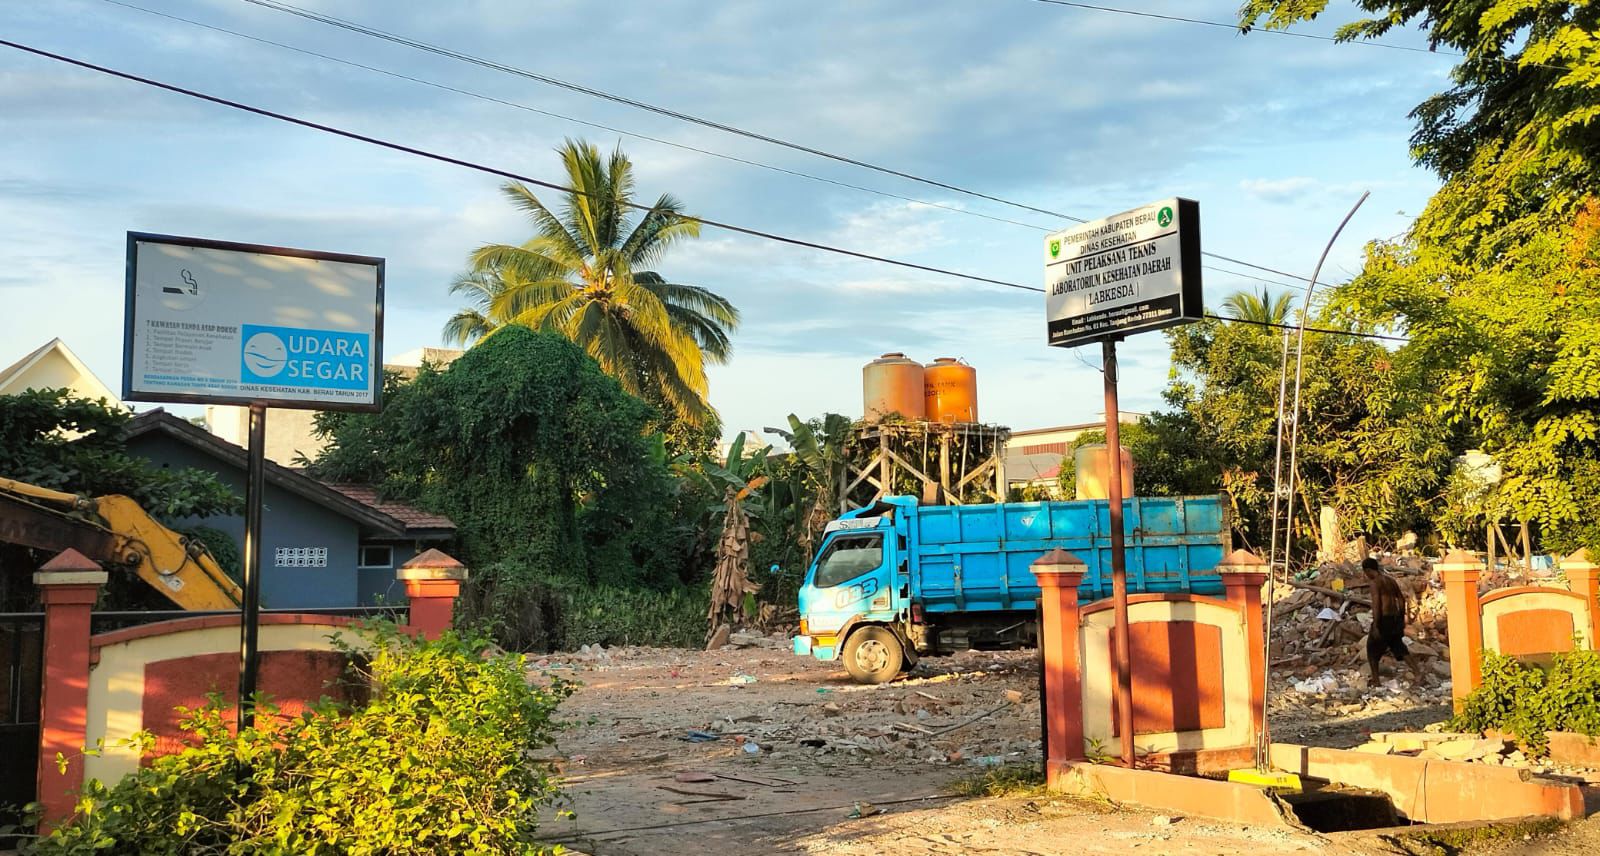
[1318,656]
[1439,745]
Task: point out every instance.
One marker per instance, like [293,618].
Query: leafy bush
[435,762]
[1526,700]
[675,618]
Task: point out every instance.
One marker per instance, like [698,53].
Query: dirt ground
[791,757]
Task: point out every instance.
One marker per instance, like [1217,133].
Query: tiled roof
[410,515]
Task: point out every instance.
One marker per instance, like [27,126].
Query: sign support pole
[1119,562]
[250,610]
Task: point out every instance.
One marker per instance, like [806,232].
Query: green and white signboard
[1123,274]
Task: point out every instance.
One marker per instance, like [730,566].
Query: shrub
[675,618]
[1527,700]
[435,762]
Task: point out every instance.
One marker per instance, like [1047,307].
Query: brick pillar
[1583,577]
[1459,570]
[1243,574]
[433,582]
[68,585]
[1059,574]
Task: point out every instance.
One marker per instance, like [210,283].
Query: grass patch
[1456,840]
[1006,780]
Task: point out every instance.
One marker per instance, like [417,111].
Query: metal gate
[22,667]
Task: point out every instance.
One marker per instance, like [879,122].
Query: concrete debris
[1318,662]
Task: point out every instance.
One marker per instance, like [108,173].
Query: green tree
[1495,284]
[1515,138]
[1369,444]
[1260,308]
[584,275]
[51,438]
[543,461]
[1511,359]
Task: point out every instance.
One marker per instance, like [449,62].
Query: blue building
[322,545]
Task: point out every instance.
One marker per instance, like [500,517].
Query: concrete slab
[1166,792]
[1428,791]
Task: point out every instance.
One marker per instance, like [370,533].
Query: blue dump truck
[898,580]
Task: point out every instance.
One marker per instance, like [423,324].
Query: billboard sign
[1127,273]
[211,322]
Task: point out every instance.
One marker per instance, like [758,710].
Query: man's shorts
[1387,634]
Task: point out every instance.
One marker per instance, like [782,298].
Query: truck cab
[854,602]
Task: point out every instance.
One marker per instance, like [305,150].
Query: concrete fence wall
[110,686]
[1197,668]
[1532,622]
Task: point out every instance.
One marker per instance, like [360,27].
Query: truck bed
[976,558]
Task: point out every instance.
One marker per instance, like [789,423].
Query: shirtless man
[1388,621]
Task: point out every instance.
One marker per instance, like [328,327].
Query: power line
[423,153]
[632,102]
[1327,330]
[604,127]
[518,105]
[442,158]
[450,53]
[1292,33]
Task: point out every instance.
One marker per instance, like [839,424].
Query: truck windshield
[848,557]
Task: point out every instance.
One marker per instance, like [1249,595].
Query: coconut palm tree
[584,275]
[1259,308]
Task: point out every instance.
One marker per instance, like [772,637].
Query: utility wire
[372,32]
[636,135]
[1293,34]
[1327,330]
[442,158]
[531,109]
[423,153]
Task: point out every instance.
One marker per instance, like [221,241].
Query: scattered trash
[1163,820]
[823,690]
[813,743]
[989,761]
[691,777]
[741,679]
[1328,613]
[752,748]
[694,736]
[864,809]
[1014,696]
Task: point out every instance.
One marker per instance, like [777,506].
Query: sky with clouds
[1065,109]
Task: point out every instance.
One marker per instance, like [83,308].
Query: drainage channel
[1328,807]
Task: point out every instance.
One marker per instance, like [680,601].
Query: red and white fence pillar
[1059,574]
[433,582]
[1460,570]
[1243,573]
[68,584]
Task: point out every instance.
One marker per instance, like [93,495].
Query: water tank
[1093,468]
[891,383]
[951,388]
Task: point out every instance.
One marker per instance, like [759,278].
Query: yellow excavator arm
[116,532]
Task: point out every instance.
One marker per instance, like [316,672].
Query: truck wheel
[873,655]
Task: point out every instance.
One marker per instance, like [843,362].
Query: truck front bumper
[804,645]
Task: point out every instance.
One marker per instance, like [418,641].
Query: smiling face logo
[1055,248]
[265,354]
